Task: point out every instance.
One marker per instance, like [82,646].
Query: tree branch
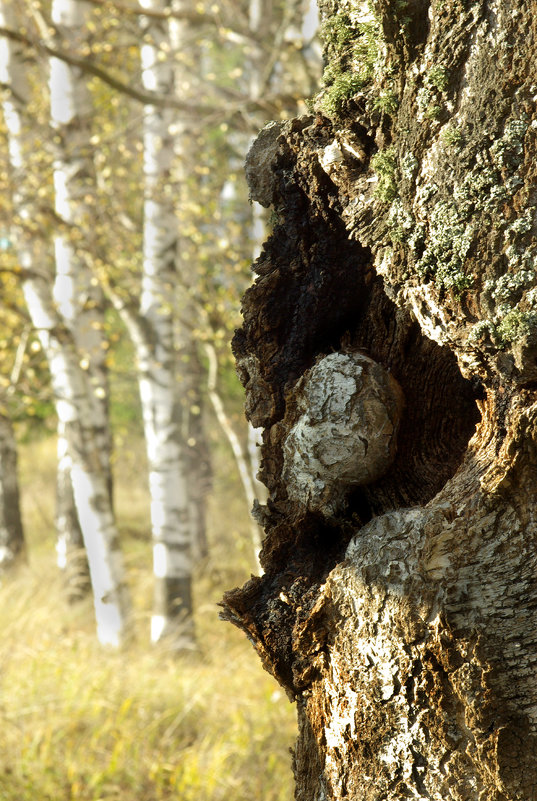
[197,18]
[269,106]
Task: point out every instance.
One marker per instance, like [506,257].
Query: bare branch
[269,106]
[196,18]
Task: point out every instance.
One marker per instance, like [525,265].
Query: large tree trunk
[389,349]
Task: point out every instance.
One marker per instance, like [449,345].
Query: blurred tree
[166,354]
[77,295]
[207,78]
[72,388]
[12,546]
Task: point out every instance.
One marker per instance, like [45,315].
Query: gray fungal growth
[348,409]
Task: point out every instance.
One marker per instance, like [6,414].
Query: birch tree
[74,395]
[77,295]
[389,351]
[163,388]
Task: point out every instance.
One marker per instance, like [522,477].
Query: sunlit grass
[84,724]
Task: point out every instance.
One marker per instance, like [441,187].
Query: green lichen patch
[386,102]
[452,136]
[355,59]
[449,239]
[508,151]
[351,47]
[438,76]
[446,222]
[514,326]
[384,164]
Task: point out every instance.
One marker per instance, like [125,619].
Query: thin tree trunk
[161,383]
[74,396]
[74,407]
[78,297]
[198,457]
[12,545]
[71,555]
[389,349]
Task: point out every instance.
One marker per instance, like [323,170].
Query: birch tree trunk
[389,350]
[73,392]
[77,296]
[12,546]
[71,555]
[162,385]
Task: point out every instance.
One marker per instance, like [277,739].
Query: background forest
[127,470]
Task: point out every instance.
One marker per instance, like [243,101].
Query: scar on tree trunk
[317,294]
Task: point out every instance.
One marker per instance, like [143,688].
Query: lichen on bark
[400,617]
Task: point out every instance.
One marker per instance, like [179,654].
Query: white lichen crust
[348,409]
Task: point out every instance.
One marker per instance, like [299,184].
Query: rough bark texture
[402,620]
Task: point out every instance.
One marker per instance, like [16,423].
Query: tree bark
[167,368]
[399,596]
[12,545]
[73,392]
[71,554]
[77,295]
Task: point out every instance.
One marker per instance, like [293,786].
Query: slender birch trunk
[71,555]
[71,385]
[160,386]
[78,298]
[198,455]
[12,547]
[74,407]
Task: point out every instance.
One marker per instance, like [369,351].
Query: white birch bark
[74,408]
[72,392]
[163,414]
[71,556]
[78,297]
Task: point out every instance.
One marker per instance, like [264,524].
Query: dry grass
[82,724]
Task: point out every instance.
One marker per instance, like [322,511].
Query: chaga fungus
[348,410]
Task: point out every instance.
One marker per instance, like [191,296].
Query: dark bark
[12,546]
[401,618]
[70,547]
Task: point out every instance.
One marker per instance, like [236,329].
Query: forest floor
[79,723]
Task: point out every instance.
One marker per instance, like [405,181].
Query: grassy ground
[82,724]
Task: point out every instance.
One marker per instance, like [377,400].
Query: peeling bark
[402,622]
